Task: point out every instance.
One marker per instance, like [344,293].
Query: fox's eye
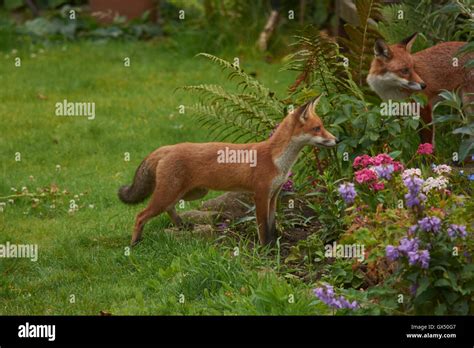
[317,129]
[405,71]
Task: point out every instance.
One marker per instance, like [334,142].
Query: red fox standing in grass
[395,73]
[188,170]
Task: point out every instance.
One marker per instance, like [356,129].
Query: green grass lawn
[84,253]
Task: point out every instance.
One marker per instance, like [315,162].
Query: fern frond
[247,113]
[318,61]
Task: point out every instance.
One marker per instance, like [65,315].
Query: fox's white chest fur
[387,86]
[286,160]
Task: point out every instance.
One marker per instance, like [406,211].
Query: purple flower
[457,231]
[408,245]
[288,186]
[347,192]
[424,258]
[384,171]
[327,295]
[430,224]
[414,197]
[412,230]
[413,257]
[392,253]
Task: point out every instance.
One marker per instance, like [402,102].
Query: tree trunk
[267,32]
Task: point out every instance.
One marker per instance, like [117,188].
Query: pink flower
[362,161]
[378,186]
[397,166]
[425,149]
[382,158]
[365,175]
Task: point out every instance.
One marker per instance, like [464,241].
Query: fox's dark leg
[163,199]
[177,221]
[271,213]
[262,202]
[427,134]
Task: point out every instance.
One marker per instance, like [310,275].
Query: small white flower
[91,206]
[11,201]
[411,172]
[13,189]
[24,189]
[441,169]
[58,167]
[438,183]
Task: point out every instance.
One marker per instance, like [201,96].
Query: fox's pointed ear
[382,50]
[315,102]
[409,41]
[303,116]
[309,109]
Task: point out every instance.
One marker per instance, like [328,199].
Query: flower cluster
[384,171]
[411,172]
[327,295]
[409,246]
[425,149]
[439,183]
[366,161]
[457,231]
[414,184]
[347,192]
[430,224]
[410,249]
[442,169]
[372,169]
[365,176]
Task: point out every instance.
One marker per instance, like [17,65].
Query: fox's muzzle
[415,86]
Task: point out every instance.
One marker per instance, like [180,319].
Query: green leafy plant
[459,117]
[435,21]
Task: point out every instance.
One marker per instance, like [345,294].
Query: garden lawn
[83,266]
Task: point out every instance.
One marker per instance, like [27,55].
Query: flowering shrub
[433,267]
[428,247]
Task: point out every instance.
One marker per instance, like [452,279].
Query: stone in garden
[199,217]
[230,204]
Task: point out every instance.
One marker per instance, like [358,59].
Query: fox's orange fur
[395,73]
[188,170]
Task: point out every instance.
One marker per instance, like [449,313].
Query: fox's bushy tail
[142,186]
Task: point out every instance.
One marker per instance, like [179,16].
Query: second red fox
[396,73]
[188,170]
